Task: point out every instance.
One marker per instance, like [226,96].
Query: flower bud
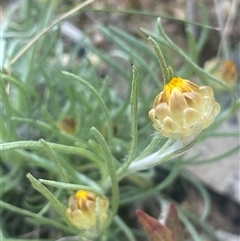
[183,109]
[224,70]
[68,125]
[85,209]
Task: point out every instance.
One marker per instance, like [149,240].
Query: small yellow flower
[183,109]
[84,209]
[68,125]
[225,70]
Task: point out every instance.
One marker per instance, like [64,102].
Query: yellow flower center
[82,194]
[83,198]
[177,83]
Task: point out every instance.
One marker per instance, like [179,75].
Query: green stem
[112,173]
[149,14]
[74,187]
[58,147]
[155,141]
[161,60]
[54,158]
[60,208]
[134,123]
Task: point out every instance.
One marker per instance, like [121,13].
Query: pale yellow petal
[72,203]
[216,109]
[104,204]
[163,110]
[177,104]
[170,125]
[157,100]
[191,85]
[194,100]
[208,105]
[191,116]
[158,125]
[90,206]
[207,91]
[152,115]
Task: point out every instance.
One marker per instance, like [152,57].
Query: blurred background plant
[74,115]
